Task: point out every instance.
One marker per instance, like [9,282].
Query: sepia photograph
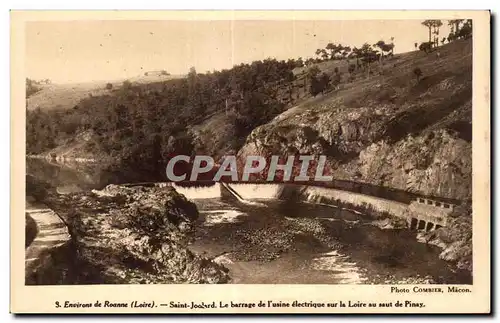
[251,151]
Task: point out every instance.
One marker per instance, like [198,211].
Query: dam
[421,214]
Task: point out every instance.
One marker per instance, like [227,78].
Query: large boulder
[135,235]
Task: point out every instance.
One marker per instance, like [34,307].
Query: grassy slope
[455,60]
[388,129]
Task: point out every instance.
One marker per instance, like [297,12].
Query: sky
[84,51]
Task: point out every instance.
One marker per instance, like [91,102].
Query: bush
[426,47]
[109,86]
[418,73]
[31,87]
[126,85]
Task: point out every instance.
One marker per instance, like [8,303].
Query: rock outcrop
[134,235]
[391,132]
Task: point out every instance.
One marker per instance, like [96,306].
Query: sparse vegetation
[418,73]
[126,85]
[32,87]
[426,47]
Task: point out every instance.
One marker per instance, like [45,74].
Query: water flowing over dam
[420,214]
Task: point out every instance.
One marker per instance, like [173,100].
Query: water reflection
[73,177]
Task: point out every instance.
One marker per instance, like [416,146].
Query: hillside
[388,129]
[66,96]
[380,125]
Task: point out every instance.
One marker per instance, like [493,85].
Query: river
[280,243]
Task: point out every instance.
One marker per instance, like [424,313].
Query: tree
[418,73]
[346,53]
[428,24]
[454,25]
[416,46]
[126,85]
[466,30]
[324,54]
[300,62]
[336,79]
[436,25]
[31,87]
[352,68]
[109,86]
[357,52]
[325,82]
[314,79]
[320,52]
[337,51]
[382,46]
[333,50]
[368,56]
[443,40]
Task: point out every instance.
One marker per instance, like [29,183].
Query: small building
[427,214]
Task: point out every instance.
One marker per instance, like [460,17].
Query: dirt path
[52,233]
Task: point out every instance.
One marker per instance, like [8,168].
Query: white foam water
[223,260]
[221,216]
[194,193]
[344,271]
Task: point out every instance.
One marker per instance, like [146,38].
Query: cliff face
[436,164]
[389,130]
[134,236]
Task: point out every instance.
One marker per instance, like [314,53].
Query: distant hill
[66,96]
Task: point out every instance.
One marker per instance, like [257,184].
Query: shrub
[31,87]
[426,47]
[109,86]
[418,73]
[126,85]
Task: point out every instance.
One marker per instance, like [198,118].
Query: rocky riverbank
[133,235]
[455,239]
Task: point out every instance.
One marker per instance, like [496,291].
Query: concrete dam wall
[421,214]
[322,195]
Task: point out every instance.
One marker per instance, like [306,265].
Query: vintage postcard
[250,162]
